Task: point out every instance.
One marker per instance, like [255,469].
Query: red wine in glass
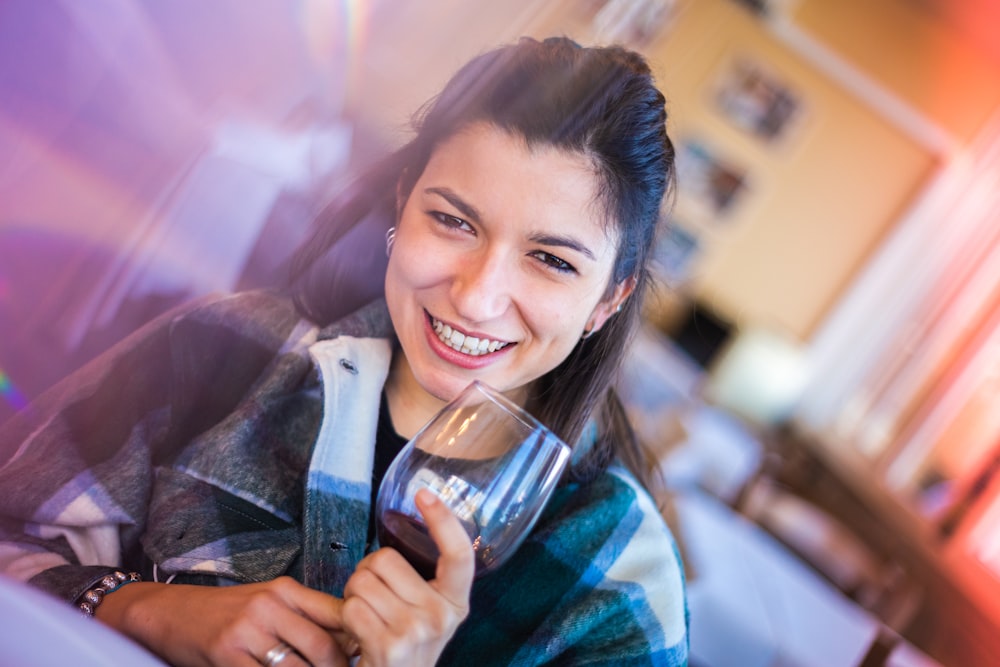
[409,537]
[494,466]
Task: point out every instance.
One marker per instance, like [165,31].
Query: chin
[445,388]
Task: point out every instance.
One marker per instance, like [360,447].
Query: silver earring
[390,238]
[587,333]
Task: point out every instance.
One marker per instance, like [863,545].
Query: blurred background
[819,369]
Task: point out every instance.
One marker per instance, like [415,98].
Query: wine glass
[489,461]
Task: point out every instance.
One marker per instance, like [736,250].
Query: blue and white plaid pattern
[210,443]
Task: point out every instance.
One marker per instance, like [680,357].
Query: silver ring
[277,654]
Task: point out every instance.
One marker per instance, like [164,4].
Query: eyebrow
[563,242]
[470,212]
[467,209]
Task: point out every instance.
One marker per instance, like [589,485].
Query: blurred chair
[696,444]
[754,603]
[717,453]
[890,650]
[874,580]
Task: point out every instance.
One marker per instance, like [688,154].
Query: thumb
[456,565]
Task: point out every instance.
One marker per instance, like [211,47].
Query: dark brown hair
[600,102]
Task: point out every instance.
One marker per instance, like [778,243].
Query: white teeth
[470,345]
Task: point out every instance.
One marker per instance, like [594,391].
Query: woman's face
[501,260]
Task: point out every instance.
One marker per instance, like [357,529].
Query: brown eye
[451,221]
[555,262]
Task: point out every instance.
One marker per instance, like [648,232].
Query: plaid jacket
[230,441]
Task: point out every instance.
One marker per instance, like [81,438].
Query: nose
[483,286]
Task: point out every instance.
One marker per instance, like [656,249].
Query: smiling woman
[529,272]
[240,440]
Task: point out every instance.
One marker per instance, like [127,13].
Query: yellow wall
[818,203]
[916,54]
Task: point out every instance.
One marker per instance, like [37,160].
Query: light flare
[11,394]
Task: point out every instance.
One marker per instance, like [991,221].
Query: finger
[327,652]
[313,643]
[367,626]
[319,607]
[366,584]
[347,642]
[244,659]
[456,565]
[389,585]
[396,572]
[292,658]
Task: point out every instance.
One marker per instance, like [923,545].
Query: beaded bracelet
[91,600]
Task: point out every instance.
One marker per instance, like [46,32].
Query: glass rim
[516,411]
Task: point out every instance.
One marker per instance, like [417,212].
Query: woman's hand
[398,618]
[197,626]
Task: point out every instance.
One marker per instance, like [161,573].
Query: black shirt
[388,443]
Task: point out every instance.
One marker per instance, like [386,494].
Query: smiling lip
[483,354]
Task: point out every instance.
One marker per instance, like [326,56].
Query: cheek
[402,279]
[409,268]
[571,309]
[556,318]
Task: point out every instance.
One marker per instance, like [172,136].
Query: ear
[609,306]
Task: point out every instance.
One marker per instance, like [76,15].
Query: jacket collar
[370,321]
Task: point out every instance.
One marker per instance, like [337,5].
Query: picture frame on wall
[709,184]
[756,99]
[634,22]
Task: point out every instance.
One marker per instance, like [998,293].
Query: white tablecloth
[39,631]
[754,604]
